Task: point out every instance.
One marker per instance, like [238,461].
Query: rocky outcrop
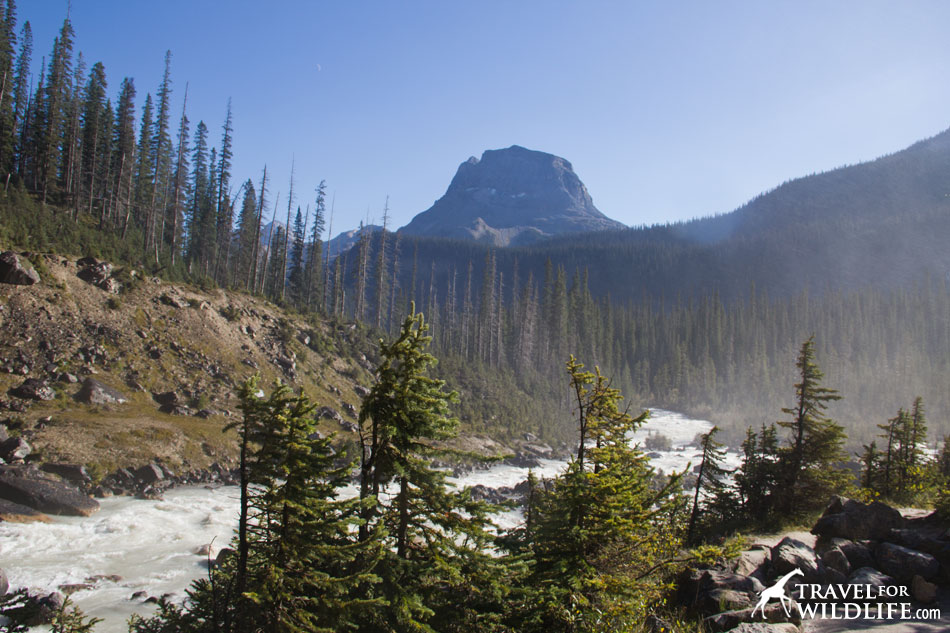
[512,196]
[14,271]
[30,488]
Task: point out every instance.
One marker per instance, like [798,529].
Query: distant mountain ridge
[512,197]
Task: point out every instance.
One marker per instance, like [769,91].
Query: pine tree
[811,464]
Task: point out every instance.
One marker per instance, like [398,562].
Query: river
[151,544]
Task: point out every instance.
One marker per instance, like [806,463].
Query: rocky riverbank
[868,556]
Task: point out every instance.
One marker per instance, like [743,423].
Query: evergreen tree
[224,209]
[711,481]
[246,231]
[21,98]
[201,236]
[296,275]
[53,111]
[436,538]
[123,156]
[811,464]
[604,533]
[759,476]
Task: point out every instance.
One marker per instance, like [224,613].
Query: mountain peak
[512,196]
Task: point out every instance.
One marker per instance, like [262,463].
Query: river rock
[4,583]
[34,389]
[94,392]
[45,495]
[853,520]
[149,474]
[14,271]
[903,563]
[75,473]
[16,513]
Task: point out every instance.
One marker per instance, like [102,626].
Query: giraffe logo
[777,591]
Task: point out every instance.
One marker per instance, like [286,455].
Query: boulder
[173,301]
[14,449]
[837,560]
[360,390]
[791,554]
[350,409]
[45,495]
[94,392]
[94,272]
[16,513]
[915,539]
[853,520]
[33,389]
[176,409]
[701,588]
[327,413]
[870,576]
[149,474]
[14,271]
[858,554]
[167,398]
[4,583]
[903,563]
[71,472]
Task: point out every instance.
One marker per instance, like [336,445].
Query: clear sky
[667,110]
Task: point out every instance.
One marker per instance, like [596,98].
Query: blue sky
[667,110]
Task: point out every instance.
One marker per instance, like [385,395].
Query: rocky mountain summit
[511,197]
